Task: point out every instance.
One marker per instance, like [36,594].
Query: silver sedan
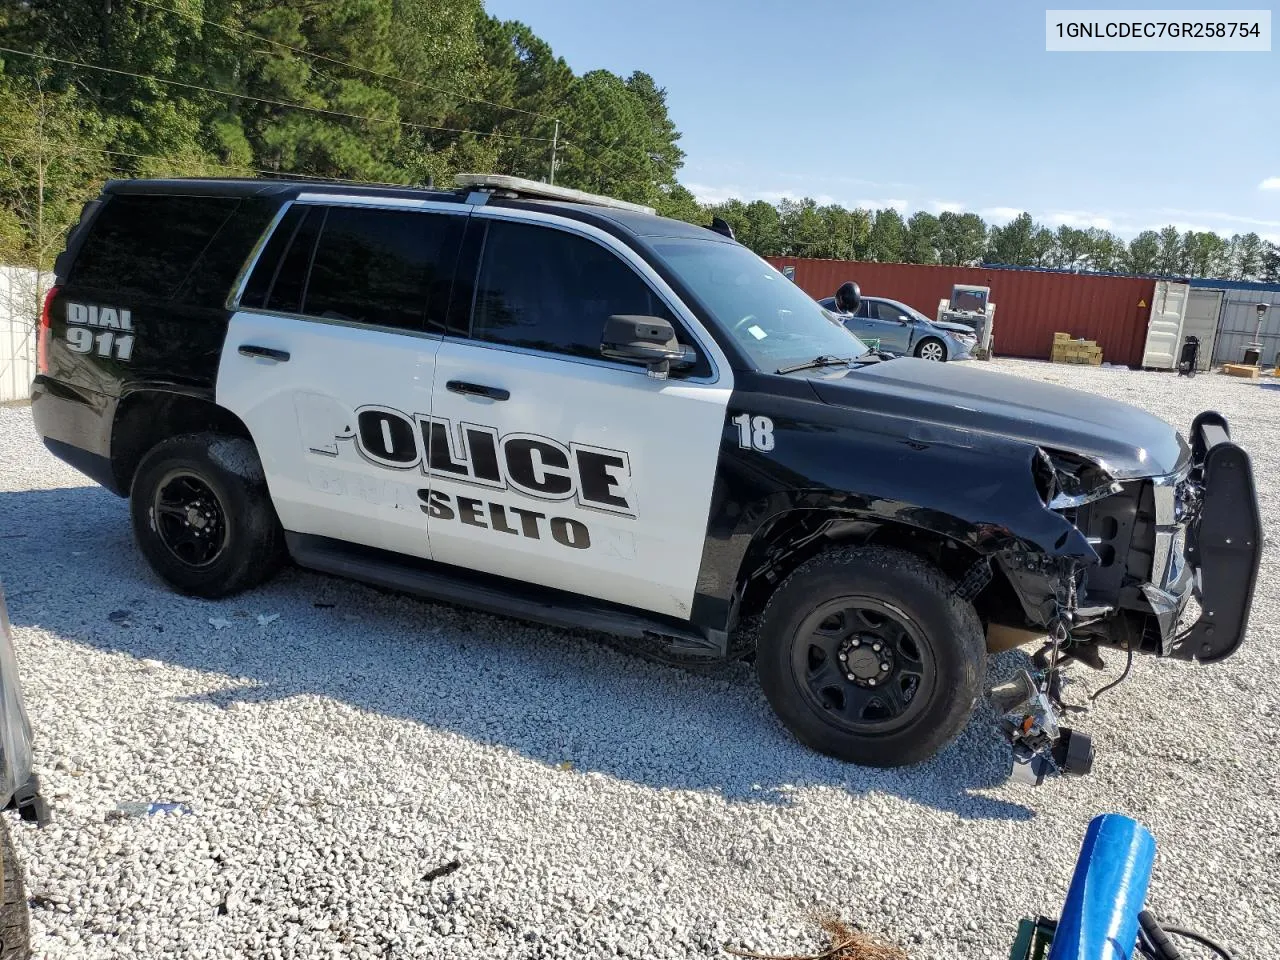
[904,330]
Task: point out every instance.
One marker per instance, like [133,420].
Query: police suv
[561,407]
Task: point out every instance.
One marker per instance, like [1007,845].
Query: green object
[872,342]
[1034,937]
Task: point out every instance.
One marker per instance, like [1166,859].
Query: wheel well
[148,417]
[794,537]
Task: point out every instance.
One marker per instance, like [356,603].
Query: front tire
[866,655]
[931,348]
[202,515]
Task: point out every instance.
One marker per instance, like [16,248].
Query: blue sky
[952,104]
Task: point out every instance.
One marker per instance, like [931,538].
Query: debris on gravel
[335,758]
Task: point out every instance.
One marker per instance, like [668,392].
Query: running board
[498,595]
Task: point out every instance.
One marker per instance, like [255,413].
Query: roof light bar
[520,187]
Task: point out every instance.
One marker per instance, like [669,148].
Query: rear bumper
[76,427]
[1223,550]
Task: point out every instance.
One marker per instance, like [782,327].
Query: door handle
[266,353]
[477,390]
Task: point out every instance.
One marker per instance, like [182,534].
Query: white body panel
[645,554]
[301,414]
[591,477]
[1164,329]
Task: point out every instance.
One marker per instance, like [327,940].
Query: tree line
[391,91]
[802,228]
[412,92]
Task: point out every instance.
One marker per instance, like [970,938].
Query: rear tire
[931,348]
[15,916]
[859,611]
[202,515]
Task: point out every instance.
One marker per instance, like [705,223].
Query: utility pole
[555,139]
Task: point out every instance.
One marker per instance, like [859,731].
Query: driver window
[546,289]
[891,313]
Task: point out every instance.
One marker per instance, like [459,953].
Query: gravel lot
[598,804]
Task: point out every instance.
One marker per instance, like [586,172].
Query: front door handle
[477,390]
[266,353]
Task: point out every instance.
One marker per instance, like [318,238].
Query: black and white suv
[562,407]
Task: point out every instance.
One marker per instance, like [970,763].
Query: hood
[952,327]
[1128,441]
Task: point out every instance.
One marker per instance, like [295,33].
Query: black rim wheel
[189,518]
[863,664]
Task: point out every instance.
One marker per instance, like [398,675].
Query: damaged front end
[1156,543]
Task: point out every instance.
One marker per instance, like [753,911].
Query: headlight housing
[1067,480]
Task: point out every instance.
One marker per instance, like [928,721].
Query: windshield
[774,322]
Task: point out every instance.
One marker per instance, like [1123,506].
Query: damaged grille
[1139,535]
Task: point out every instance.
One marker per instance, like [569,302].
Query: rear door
[1164,330]
[550,464]
[329,361]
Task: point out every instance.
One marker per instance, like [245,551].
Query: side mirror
[648,340]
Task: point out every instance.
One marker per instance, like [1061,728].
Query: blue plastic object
[1100,916]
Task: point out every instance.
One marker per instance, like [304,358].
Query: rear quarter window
[145,246]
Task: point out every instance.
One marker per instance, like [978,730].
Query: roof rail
[520,187]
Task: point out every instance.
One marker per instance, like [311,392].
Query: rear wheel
[865,655]
[15,917]
[203,517]
[931,348]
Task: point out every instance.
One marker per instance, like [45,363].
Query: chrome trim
[350,324]
[246,270]
[386,203]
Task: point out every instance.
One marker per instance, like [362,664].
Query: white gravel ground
[599,805]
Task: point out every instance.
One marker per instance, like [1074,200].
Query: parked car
[564,408]
[20,790]
[904,330]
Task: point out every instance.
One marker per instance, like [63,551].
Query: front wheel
[866,655]
[931,349]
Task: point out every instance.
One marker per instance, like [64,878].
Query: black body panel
[879,466]
[1129,441]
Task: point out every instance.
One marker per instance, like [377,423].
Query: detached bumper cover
[1223,547]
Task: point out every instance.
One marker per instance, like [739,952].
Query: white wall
[18,305]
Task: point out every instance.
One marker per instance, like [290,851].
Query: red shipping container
[1031,305]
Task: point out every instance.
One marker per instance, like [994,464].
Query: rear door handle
[478,390]
[266,353]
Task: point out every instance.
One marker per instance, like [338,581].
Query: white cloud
[946,206]
[1271,183]
[706,193]
[1224,217]
[999,214]
[891,203]
[1079,219]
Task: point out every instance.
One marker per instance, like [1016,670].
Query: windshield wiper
[826,360]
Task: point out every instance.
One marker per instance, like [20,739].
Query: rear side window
[146,245]
[387,268]
[546,289]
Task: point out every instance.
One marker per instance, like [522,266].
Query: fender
[878,469]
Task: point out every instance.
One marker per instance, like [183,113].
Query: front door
[329,362]
[550,464]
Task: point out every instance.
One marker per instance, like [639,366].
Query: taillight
[45,333]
